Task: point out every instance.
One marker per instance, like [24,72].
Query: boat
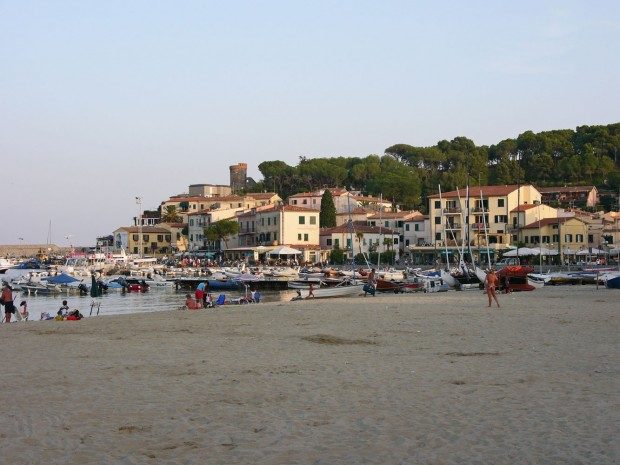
[383,285]
[612,281]
[344,290]
[515,278]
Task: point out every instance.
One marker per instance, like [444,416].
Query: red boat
[514,278]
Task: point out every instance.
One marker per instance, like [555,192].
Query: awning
[285,250]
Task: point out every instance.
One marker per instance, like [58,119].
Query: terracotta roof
[296,208]
[187,198]
[225,198]
[552,190]
[334,190]
[548,221]
[358,211]
[262,195]
[489,191]
[199,212]
[363,228]
[145,230]
[369,198]
[175,225]
[394,215]
[523,207]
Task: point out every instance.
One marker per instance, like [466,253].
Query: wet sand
[429,379]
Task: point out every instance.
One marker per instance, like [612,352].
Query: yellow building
[566,234]
[155,240]
[488,211]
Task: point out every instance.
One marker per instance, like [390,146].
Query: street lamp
[139,221]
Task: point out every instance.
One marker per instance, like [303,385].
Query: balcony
[452,226]
[479,227]
[452,211]
[479,210]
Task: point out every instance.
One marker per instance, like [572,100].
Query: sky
[101,102]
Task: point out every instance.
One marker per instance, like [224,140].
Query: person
[191,303]
[491,284]
[74,315]
[298,296]
[7,301]
[311,291]
[23,310]
[371,284]
[64,310]
[199,293]
[256,296]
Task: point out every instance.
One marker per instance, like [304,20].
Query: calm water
[115,303]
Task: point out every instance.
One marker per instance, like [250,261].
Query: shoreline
[426,378]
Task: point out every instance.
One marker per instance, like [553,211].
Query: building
[575,196]
[198,221]
[395,221]
[566,234]
[359,214]
[417,232]
[238,177]
[209,190]
[485,222]
[155,240]
[179,242]
[344,201]
[611,229]
[359,238]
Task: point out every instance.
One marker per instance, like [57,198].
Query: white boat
[448,278]
[345,290]
[481,274]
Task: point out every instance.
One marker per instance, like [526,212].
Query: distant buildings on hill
[495,218]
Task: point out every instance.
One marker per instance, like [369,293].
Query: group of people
[203,299]
[63,314]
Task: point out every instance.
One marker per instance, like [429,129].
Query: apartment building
[155,240]
[568,234]
[395,221]
[488,212]
[344,201]
[198,221]
[417,232]
[359,238]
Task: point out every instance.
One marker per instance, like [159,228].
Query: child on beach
[23,310]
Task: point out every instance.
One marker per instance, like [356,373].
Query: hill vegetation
[406,174]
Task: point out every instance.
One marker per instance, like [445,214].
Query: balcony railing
[452,211]
[453,226]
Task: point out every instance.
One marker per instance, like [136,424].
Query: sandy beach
[428,379]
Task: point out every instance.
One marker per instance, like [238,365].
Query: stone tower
[238,175]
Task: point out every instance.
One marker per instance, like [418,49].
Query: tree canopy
[327,217]
[221,230]
[406,174]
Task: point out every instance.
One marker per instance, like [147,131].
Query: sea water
[157,299]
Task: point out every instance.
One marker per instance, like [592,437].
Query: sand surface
[428,379]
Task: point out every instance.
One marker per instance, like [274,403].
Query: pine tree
[327,217]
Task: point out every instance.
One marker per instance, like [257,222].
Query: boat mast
[445,242]
[380,230]
[484,223]
[471,255]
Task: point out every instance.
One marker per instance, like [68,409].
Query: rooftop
[489,191]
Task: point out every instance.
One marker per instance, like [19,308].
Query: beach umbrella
[285,250]
[591,252]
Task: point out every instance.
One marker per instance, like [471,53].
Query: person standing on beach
[490,284]
[311,292]
[7,300]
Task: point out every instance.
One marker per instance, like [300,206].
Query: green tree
[221,230]
[337,256]
[170,215]
[327,217]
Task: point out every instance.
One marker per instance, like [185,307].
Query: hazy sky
[101,101]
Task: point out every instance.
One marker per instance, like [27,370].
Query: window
[313,220]
[262,221]
[145,237]
[305,238]
[191,237]
[437,203]
[348,243]
[178,236]
[160,238]
[407,227]
[169,237]
[299,236]
[568,238]
[387,224]
[395,241]
[500,202]
[135,250]
[500,219]
[407,242]
[437,236]
[399,224]
[579,238]
[275,220]
[438,220]
[590,238]
[294,201]
[329,242]
[305,202]
[269,221]
[302,220]
[336,242]
[191,222]
[526,239]
[545,239]
[135,238]
[556,238]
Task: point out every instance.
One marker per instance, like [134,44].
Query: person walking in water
[491,284]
